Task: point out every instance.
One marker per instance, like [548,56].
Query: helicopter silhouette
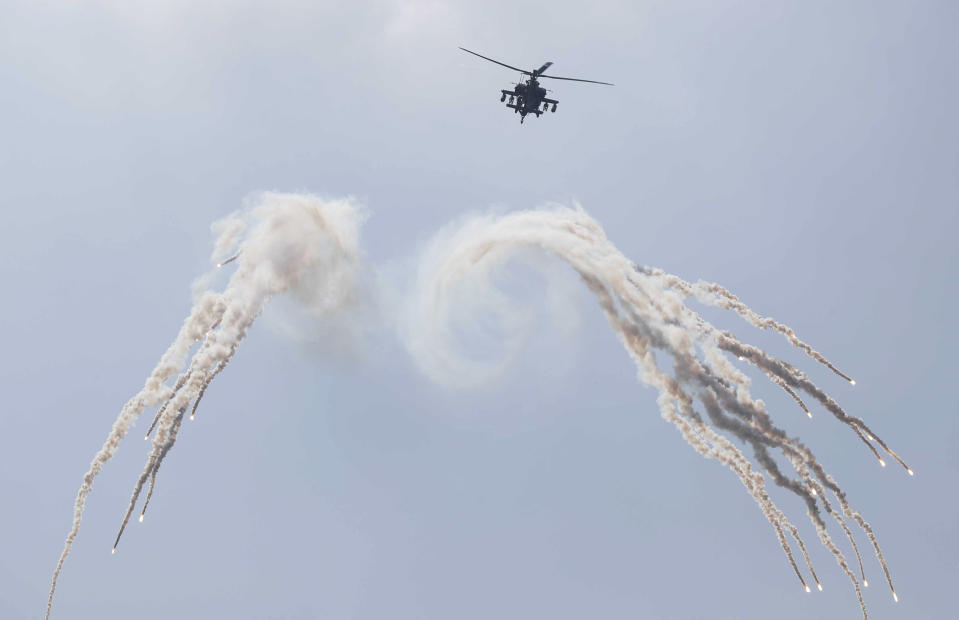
[528,97]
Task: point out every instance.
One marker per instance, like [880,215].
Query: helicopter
[528,97]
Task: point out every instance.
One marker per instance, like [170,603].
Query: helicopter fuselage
[528,98]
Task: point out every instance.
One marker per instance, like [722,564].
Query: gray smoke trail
[283,242]
[779,371]
[208,381]
[798,379]
[170,441]
[153,391]
[169,426]
[791,393]
[715,295]
[636,340]
[183,377]
[228,261]
[176,388]
[646,308]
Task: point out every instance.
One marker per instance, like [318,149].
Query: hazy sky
[803,154]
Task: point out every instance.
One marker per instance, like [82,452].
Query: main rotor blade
[497,62]
[556,77]
[543,68]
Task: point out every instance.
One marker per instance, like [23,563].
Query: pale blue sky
[803,154]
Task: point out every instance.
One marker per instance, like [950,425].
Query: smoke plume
[309,248]
[646,308]
[281,243]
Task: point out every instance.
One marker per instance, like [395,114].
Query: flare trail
[646,309]
[283,242]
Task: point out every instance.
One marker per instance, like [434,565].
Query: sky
[803,154]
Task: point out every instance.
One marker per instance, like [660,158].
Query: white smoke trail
[308,247]
[646,308]
[286,242]
[715,295]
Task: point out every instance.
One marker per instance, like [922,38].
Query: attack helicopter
[528,97]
